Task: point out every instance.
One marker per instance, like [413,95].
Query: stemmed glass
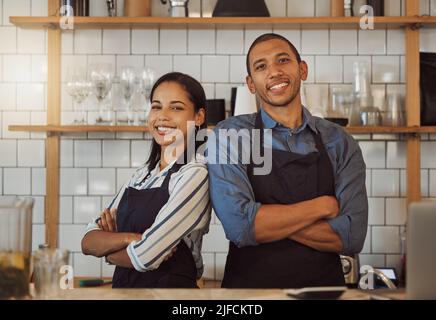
[101,76]
[147,78]
[79,88]
[128,87]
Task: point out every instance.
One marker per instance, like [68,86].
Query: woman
[153,229]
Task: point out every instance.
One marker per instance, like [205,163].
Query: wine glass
[128,86]
[147,78]
[79,88]
[101,76]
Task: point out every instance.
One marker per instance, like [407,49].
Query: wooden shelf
[169,22]
[101,128]
[77,128]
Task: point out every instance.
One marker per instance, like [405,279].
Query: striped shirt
[185,217]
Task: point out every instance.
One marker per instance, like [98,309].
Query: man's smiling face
[275,73]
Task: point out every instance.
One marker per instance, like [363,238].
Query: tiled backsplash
[95,165]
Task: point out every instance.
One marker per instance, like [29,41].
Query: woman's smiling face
[171,109]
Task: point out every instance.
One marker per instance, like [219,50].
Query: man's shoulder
[333,133]
[245,121]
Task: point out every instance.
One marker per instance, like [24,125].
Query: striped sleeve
[187,210]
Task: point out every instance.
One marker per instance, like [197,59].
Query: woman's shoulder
[196,164]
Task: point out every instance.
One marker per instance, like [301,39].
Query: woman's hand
[108,220]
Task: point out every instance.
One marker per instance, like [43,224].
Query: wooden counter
[207,294]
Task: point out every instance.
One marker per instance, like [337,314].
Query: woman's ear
[200,117]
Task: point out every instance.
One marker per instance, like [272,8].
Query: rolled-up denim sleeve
[350,189]
[231,195]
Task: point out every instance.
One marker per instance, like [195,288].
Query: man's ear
[304,70]
[250,84]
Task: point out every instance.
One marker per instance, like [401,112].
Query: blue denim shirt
[233,198]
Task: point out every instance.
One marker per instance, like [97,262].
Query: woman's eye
[155,107]
[177,108]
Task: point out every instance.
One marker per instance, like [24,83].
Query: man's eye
[284,60]
[260,67]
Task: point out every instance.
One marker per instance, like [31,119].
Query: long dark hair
[196,95]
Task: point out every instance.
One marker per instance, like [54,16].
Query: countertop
[209,294]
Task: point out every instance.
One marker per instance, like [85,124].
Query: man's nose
[275,70]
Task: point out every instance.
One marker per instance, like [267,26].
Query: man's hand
[329,205]
[108,220]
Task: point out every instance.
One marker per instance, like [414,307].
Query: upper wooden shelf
[101,128]
[169,22]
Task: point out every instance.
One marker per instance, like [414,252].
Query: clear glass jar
[15,246]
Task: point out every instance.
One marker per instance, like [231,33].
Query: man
[287,228]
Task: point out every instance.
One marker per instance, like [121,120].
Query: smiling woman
[152,231]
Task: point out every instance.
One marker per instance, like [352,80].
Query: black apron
[286,263]
[136,213]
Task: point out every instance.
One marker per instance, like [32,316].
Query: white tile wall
[145,41]
[201,41]
[188,64]
[238,69]
[173,41]
[101,181]
[86,209]
[66,210]
[30,97]
[116,153]
[230,41]
[8,151]
[372,42]
[376,211]
[328,69]
[385,183]
[385,239]
[87,153]
[91,174]
[70,236]
[16,181]
[315,42]
[38,181]
[38,210]
[343,42]
[73,181]
[215,69]
[396,211]
[116,41]
[16,68]
[31,41]
[31,153]
[9,40]
[87,41]
[140,152]
[374,154]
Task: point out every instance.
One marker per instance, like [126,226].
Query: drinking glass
[147,79]
[101,76]
[128,88]
[79,88]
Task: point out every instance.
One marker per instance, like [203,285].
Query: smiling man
[287,228]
